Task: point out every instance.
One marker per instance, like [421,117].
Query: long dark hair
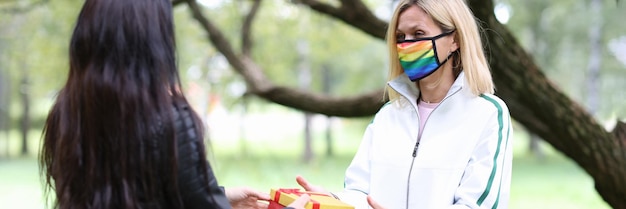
[109,139]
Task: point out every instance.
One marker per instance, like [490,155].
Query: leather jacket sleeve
[193,189]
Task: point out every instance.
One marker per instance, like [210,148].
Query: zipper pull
[415,149]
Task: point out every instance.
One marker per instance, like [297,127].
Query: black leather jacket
[194,192]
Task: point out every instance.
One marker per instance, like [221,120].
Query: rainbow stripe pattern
[417,58]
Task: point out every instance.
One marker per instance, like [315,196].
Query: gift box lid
[318,200]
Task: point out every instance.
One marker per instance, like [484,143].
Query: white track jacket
[463,159]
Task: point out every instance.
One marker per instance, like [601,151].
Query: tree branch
[243,65]
[362,105]
[258,84]
[352,12]
[246,30]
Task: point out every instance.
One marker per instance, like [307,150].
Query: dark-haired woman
[121,134]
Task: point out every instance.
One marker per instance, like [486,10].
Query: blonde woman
[444,139]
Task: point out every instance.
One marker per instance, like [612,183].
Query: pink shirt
[424,109]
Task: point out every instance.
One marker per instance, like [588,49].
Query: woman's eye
[400,37]
[419,34]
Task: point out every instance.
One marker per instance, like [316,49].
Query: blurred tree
[19,63]
[4,110]
[35,36]
[4,87]
[25,125]
[304,78]
[327,86]
[533,100]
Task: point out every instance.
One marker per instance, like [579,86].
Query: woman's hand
[373,203]
[300,202]
[246,198]
[310,187]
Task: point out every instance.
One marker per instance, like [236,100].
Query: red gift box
[283,197]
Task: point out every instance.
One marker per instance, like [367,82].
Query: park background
[256,143]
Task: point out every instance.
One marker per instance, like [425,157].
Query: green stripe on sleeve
[508,129]
[495,157]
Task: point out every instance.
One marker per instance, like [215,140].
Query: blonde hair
[449,15]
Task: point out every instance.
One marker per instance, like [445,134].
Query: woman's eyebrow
[411,28]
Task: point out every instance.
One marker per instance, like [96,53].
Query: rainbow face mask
[418,57]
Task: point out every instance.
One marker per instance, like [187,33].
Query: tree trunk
[304,78]
[5,96]
[327,86]
[308,139]
[242,127]
[25,122]
[4,113]
[329,137]
[534,147]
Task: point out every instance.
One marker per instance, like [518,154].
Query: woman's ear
[454,46]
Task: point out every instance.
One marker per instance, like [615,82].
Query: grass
[19,184]
[271,158]
[554,182]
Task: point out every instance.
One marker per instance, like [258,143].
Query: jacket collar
[409,90]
